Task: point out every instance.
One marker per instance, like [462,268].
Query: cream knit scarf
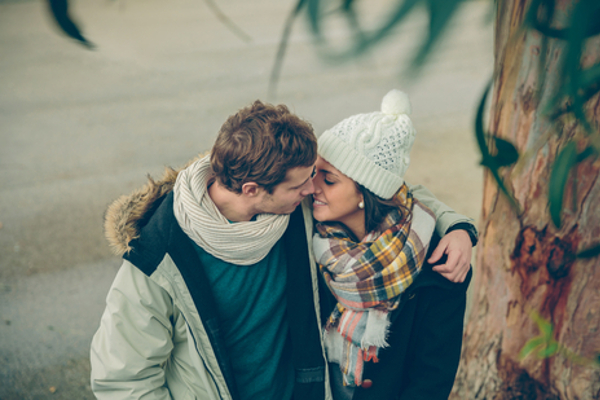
[240,243]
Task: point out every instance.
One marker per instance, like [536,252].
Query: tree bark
[524,263]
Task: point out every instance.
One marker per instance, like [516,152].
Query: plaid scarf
[367,279]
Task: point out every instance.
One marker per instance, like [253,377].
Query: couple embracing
[286,267]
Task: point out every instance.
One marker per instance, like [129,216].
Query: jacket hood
[128,214]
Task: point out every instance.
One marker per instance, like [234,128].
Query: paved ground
[78,128]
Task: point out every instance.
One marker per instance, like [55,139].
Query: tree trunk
[525,263]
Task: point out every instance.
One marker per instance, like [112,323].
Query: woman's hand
[457,246]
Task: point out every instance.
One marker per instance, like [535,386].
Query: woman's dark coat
[425,340]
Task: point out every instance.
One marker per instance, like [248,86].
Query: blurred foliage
[318,12]
[579,84]
[60,12]
[590,252]
[544,345]
[225,20]
[506,154]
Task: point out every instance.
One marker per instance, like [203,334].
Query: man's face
[289,194]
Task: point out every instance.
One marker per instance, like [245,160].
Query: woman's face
[336,198]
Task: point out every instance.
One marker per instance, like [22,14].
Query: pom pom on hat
[396,102]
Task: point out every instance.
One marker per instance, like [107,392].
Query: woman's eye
[327,182]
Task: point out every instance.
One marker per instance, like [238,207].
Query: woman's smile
[336,198]
[318,203]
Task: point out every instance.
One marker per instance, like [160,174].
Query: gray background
[78,128]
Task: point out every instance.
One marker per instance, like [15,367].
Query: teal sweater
[251,303]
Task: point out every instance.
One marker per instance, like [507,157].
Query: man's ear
[251,189]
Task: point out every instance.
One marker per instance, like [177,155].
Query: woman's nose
[317,187]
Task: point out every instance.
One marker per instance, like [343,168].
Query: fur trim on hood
[126,216]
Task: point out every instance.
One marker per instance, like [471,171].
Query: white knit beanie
[373,149]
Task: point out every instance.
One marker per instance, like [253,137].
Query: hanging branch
[60,12]
[225,20]
[276,70]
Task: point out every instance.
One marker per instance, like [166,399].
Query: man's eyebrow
[312,174]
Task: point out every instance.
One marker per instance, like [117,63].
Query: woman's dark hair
[376,208]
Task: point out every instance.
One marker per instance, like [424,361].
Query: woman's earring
[361,205]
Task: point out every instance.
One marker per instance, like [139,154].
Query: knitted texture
[202,221]
[367,279]
[373,149]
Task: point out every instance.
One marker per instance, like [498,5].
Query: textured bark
[524,263]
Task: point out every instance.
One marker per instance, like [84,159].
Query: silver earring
[361,205]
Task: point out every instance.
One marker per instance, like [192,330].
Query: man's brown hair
[260,143]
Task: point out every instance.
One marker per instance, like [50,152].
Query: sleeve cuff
[469,228]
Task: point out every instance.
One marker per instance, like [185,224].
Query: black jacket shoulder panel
[150,248]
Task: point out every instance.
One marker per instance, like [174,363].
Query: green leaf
[576,39]
[549,350]
[588,21]
[362,41]
[531,345]
[590,252]
[225,20]
[544,27]
[440,14]
[60,12]
[276,70]
[588,151]
[590,17]
[314,15]
[354,23]
[507,153]
[531,17]
[347,4]
[576,85]
[479,131]
[396,17]
[544,325]
[486,158]
[590,76]
[566,159]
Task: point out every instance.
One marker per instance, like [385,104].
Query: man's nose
[310,189]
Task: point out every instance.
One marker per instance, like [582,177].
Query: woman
[393,327]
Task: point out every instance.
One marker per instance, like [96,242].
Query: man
[217,297]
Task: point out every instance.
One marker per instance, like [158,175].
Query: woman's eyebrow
[326,171]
